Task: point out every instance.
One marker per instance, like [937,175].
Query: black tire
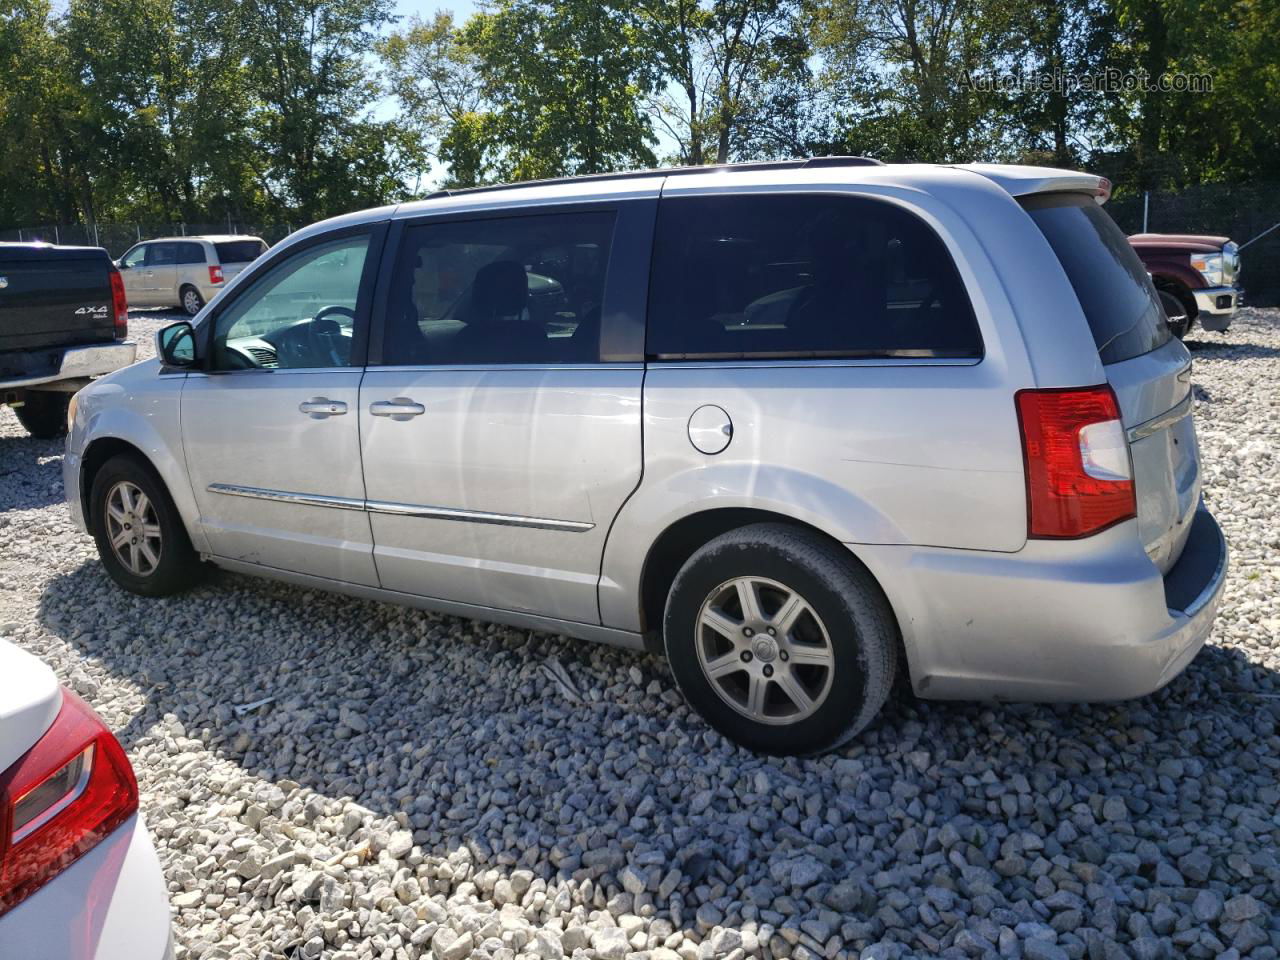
[43,413]
[178,566]
[1176,313]
[192,302]
[842,596]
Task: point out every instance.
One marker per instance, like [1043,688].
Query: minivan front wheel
[140,536]
[780,639]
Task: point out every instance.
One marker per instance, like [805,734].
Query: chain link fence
[119,237]
[1239,211]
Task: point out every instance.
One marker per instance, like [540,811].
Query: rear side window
[162,254]
[502,290]
[793,276]
[188,253]
[239,251]
[1109,279]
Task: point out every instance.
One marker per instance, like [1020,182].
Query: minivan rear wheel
[781,639]
[192,302]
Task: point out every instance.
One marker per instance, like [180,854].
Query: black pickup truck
[63,321]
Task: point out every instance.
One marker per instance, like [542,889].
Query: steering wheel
[325,337]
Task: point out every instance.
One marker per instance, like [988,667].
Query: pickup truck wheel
[140,536]
[780,639]
[192,302]
[44,413]
[1176,313]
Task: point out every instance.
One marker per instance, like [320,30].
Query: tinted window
[239,251]
[509,290]
[161,254]
[1109,279]
[188,253]
[795,276]
[299,314]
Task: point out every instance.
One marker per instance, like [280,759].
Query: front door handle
[397,408]
[318,408]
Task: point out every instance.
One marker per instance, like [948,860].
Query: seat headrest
[500,289]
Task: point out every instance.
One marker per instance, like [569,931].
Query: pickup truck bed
[63,320]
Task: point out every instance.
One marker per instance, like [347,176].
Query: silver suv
[800,426]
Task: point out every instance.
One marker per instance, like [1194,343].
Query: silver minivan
[802,427]
[185,271]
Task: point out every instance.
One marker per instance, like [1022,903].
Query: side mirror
[176,344]
[120,264]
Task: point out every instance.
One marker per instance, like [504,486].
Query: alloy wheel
[133,529]
[765,650]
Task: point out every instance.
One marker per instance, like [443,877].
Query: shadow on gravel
[1229,350]
[30,471]
[460,726]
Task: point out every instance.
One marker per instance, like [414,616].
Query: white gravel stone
[475,805]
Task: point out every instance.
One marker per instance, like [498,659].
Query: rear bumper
[1089,620]
[111,904]
[1216,306]
[75,363]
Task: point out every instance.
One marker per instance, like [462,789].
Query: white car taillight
[60,799]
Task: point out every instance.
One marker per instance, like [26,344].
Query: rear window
[239,251]
[796,276]
[1109,279]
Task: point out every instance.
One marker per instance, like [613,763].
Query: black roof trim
[810,162]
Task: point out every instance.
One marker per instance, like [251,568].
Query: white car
[79,877]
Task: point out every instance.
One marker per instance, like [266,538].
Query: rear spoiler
[1021,181]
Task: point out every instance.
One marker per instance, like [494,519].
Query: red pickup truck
[1195,277]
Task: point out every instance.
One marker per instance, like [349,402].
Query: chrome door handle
[397,408]
[318,408]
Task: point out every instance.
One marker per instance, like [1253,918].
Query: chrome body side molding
[400,509]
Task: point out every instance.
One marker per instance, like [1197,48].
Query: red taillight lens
[119,304]
[60,799]
[215,273]
[1079,481]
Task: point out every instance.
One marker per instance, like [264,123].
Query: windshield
[1111,283]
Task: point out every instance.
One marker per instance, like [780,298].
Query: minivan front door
[498,447]
[270,427]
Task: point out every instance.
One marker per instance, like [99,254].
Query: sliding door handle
[397,408]
[318,408]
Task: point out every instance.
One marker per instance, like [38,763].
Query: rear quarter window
[799,276]
[1109,279]
[239,251]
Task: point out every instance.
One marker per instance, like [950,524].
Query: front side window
[499,291]
[134,258]
[795,276]
[299,314]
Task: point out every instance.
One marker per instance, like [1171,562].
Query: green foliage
[199,109]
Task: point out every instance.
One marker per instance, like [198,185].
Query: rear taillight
[215,273]
[60,799]
[119,305]
[1079,476]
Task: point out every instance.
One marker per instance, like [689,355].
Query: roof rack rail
[798,164]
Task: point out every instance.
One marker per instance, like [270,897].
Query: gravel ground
[332,778]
